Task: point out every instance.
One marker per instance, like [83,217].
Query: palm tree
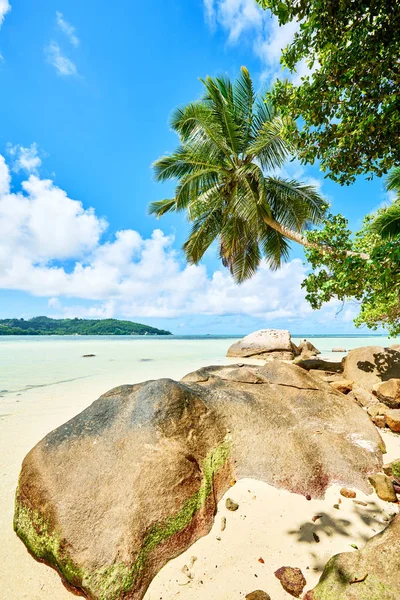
[387,223]
[232,145]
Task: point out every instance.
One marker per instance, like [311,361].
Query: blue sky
[87,90]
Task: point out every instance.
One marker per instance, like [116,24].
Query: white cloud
[63,65]
[25,159]
[67,28]
[51,246]
[241,17]
[5,7]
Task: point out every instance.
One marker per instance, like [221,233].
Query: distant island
[47,326]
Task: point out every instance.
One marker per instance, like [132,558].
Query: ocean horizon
[39,361]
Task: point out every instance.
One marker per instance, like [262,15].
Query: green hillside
[47,326]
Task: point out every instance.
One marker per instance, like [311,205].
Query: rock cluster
[131,482]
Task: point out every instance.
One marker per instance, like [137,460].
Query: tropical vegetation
[373,284]
[232,149]
[48,326]
[348,107]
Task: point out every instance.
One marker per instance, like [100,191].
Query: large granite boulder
[131,482]
[265,344]
[388,392]
[370,365]
[372,573]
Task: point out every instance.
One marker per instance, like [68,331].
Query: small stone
[348,493]
[316,537]
[360,502]
[292,580]
[316,517]
[223,523]
[336,506]
[384,487]
[308,497]
[231,505]
[258,595]
[261,560]
[380,421]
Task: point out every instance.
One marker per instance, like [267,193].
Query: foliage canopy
[350,105]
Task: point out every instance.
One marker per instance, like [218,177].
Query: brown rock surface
[265,344]
[379,561]
[384,487]
[362,396]
[344,386]
[108,498]
[292,580]
[307,347]
[370,365]
[392,417]
[319,364]
[258,595]
[388,392]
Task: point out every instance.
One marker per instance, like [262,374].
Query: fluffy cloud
[239,17]
[4,8]
[62,64]
[67,28]
[51,246]
[25,159]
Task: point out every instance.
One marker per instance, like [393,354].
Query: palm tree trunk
[300,239]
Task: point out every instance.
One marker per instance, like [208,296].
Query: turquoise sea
[29,362]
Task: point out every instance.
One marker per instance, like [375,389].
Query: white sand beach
[270,524]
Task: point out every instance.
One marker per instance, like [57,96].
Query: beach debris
[354,546]
[359,579]
[360,502]
[316,517]
[231,505]
[192,561]
[336,506]
[258,595]
[292,580]
[186,571]
[223,523]
[383,487]
[346,493]
[88,355]
[316,537]
[308,497]
[261,560]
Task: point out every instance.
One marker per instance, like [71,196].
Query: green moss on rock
[335,585]
[111,581]
[396,468]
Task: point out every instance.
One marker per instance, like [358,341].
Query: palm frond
[387,224]
[275,247]
[393,180]
[293,203]
[161,207]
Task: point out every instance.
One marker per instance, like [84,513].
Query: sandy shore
[272,525]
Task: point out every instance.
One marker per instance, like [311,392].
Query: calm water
[30,362]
